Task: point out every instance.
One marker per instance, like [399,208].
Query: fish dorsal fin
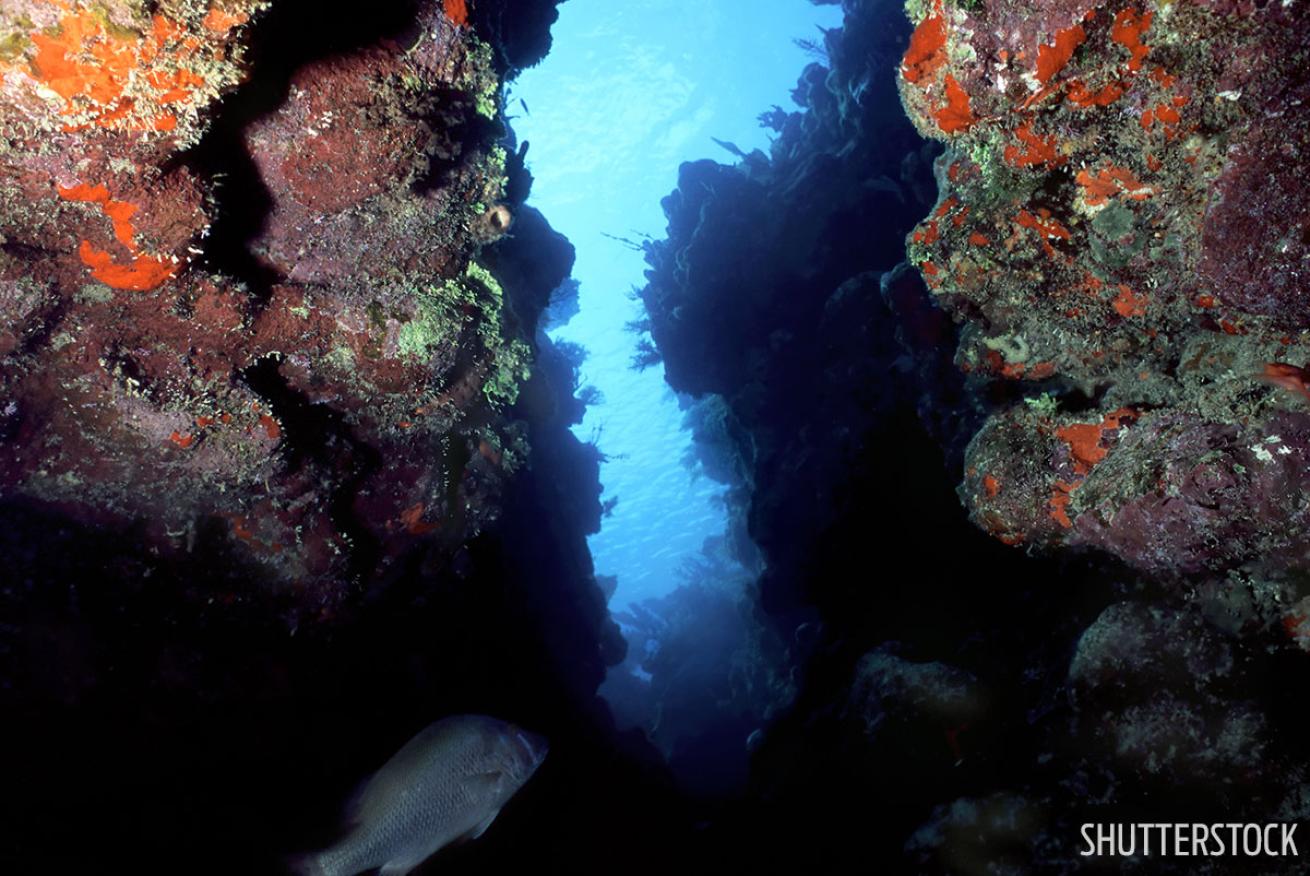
[396,776]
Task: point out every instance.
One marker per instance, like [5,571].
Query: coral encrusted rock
[300,416]
[1123,229]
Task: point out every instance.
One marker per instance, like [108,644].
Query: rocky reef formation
[1122,233]
[285,464]
[1122,230]
[282,410]
[1098,338]
[764,299]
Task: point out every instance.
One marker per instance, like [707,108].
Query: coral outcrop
[320,404]
[1122,230]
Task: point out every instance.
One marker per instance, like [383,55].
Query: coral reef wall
[1123,227]
[1098,338]
[280,411]
[285,465]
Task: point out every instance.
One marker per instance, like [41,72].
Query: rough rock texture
[285,467]
[1098,333]
[1122,228]
[310,413]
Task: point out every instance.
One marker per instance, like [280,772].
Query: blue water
[630,90]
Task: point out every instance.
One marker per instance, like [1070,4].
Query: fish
[445,785]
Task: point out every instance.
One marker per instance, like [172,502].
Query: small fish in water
[447,784]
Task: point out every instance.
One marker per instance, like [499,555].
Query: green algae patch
[444,315]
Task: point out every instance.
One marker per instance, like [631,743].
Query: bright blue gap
[630,90]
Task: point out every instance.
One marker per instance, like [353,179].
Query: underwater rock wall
[285,464]
[1122,229]
[824,400]
[1122,232]
[245,327]
[765,297]
[1110,257]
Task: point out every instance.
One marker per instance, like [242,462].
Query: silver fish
[448,783]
